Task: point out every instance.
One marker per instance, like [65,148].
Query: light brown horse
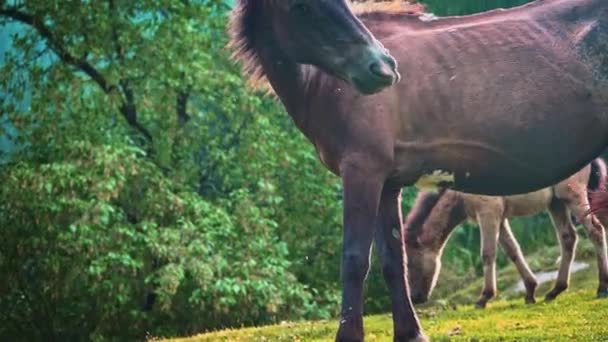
[497,103]
[435,215]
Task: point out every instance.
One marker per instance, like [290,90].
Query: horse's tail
[597,178]
[596,187]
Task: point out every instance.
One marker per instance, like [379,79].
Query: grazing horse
[435,215]
[498,103]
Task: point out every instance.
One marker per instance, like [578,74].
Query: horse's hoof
[556,291]
[530,300]
[348,339]
[420,338]
[602,293]
[480,305]
[348,334]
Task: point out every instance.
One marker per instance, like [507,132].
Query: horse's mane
[423,206]
[242,30]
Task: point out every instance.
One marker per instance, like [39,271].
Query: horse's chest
[328,157]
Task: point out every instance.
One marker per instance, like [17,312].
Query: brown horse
[599,203]
[519,96]
[435,215]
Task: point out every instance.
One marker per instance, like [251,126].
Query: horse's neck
[444,218]
[286,78]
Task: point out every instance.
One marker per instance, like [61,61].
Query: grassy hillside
[575,316]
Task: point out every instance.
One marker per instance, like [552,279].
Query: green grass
[575,316]
[468,290]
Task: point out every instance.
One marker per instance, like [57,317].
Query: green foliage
[441,7]
[146,193]
[89,236]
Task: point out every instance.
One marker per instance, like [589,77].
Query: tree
[128,204]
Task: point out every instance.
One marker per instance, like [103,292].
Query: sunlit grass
[575,316]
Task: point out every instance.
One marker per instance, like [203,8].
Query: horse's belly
[528,204]
[500,157]
[483,168]
[506,140]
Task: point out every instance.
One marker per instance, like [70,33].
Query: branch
[234,140]
[127,108]
[181,107]
[80,63]
[27,63]
[117,47]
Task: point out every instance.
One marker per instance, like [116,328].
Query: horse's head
[428,226]
[424,264]
[326,34]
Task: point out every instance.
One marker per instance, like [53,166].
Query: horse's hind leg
[597,235]
[602,291]
[511,247]
[391,251]
[489,229]
[567,241]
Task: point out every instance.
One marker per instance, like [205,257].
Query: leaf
[48,187]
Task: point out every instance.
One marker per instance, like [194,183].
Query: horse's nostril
[381,70]
[391,61]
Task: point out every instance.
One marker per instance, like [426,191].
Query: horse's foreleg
[489,229]
[361,198]
[511,247]
[603,287]
[389,241]
[567,241]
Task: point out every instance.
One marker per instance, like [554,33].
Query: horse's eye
[302,9]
